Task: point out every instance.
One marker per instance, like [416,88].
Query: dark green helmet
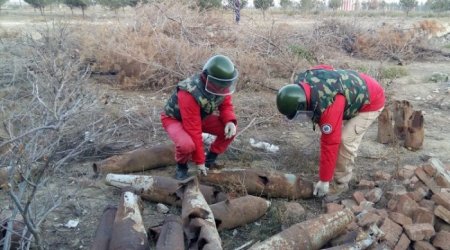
[221,75]
[290,99]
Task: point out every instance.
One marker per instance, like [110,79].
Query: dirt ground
[85,197]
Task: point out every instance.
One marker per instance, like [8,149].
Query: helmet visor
[222,87]
[302,116]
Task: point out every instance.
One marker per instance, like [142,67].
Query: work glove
[230,130]
[321,188]
[202,169]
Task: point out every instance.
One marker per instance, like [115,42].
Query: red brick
[403,243]
[392,232]
[359,197]
[428,204]
[442,199]
[418,232]
[430,170]
[442,213]
[406,205]
[423,215]
[441,225]
[400,218]
[383,213]
[374,195]
[417,194]
[423,245]
[349,203]
[442,240]
[366,184]
[382,176]
[420,173]
[365,219]
[396,190]
[441,181]
[333,207]
[406,172]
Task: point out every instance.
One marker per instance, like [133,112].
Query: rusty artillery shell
[160,189]
[259,182]
[104,229]
[128,229]
[238,212]
[137,160]
[198,219]
[311,234]
[171,236]
[363,240]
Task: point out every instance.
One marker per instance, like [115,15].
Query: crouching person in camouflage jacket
[328,96]
[202,103]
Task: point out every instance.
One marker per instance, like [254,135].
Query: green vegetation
[82,4]
[408,5]
[392,72]
[263,5]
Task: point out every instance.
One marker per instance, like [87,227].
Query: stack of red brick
[412,207]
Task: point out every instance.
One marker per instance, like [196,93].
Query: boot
[181,172]
[210,161]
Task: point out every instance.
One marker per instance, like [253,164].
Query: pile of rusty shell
[363,240]
[128,229]
[198,219]
[260,182]
[238,212]
[171,236]
[104,229]
[160,189]
[311,234]
[137,160]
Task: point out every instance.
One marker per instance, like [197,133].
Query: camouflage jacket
[196,87]
[326,84]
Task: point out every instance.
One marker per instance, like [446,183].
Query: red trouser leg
[184,146]
[213,125]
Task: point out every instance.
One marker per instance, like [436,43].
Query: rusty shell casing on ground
[137,160]
[104,229]
[238,212]
[259,182]
[160,189]
[171,236]
[128,229]
[363,240]
[198,219]
[310,234]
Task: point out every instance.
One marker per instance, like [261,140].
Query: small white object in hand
[264,145]
[208,139]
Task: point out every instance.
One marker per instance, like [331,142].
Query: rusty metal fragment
[198,219]
[159,188]
[260,182]
[415,133]
[104,229]
[363,240]
[171,236]
[311,234]
[137,160]
[128,229]
[238,212]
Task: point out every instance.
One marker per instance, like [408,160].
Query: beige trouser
[352,134]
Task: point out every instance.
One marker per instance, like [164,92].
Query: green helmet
[290,99]
[221,75]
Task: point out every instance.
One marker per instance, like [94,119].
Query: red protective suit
[187,133]
[333,117]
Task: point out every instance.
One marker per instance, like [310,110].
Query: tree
[82,4]
[39,4]
[307,4]
[408,5]
[263,5]
[286,4]
[209,4]
[438,5]
[230,4]
[335,4]
[373,4]
[113,4]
